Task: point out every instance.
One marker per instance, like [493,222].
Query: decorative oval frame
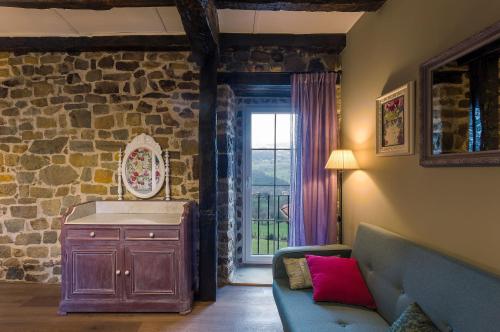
[146,142]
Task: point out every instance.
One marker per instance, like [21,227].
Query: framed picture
[396,122]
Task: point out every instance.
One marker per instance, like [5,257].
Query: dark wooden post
[208,178]
[199,18]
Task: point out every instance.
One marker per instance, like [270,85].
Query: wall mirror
[460,104]
[142,168]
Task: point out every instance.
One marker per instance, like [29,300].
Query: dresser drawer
[93,234]
[152,234]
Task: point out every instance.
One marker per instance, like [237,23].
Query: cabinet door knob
[118,272]
[92,234]
[127,272]
[151,235]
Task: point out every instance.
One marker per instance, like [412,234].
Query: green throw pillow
[413,319]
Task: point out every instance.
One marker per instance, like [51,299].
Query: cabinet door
[151,271]
[93,272]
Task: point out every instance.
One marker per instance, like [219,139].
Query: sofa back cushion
[456,296]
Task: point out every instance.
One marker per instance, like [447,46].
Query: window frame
[247,111]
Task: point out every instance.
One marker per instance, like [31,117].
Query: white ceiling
[163,21]
[294,22]
[63,22]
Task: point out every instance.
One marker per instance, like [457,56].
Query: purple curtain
[313,189]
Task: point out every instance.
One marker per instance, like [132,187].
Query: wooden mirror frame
[427,159]
[146,142]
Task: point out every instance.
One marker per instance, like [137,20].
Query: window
[268,192]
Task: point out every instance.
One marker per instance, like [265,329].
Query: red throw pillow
[338,279]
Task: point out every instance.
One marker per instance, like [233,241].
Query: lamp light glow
[341,160]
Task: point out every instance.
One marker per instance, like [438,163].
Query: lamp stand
[339,213]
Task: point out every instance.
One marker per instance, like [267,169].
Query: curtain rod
[317,72]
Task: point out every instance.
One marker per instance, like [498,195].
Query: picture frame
[396,122]
[143,169]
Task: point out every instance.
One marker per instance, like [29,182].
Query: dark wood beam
[101,43]
[304,5]
[85,4]
[262,91]
[199,18]
[264,78]
[327,42]
[257,78]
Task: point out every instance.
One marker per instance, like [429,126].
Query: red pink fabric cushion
[338,279]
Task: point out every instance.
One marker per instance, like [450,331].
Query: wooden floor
[253,275]
[33,307]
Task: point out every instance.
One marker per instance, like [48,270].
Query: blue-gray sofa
[456,296]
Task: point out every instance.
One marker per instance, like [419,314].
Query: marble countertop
[128,219]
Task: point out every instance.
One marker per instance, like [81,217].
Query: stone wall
[63,119]
[226,196]
[277,59]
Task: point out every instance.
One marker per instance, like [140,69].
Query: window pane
[263,167]
[262,131]
[282,202]
[283,130]
[261,205]
[283,164]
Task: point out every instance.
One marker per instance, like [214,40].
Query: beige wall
[453,210]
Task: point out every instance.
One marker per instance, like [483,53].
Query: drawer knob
[118,272]
[127,272]
[92,234]
[151,235]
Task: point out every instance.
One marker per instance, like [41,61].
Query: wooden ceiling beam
[98,43]
[85,4]
[304,5]
[199,18]
[332,42]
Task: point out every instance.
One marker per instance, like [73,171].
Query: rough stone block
[93,189]
[14,273]
[104,122]
[20,211]
[50,237]
[7,189]
[37,251]
[127,65]
[106,87]
[14,225]
[56,175]
[81,118]
[103,176]
[28,238]
[40,192]
[39,224]
[82,160]
[51,207]
[77,89]
[48,146]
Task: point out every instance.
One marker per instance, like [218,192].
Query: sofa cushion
[455,295]
[299,313]
[298,273]
[338,279]
[413,319]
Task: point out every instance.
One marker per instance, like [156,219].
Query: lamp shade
[342,159]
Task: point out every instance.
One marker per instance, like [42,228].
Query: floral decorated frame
[396,122]
[143,169]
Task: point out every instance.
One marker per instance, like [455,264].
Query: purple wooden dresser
[128,256]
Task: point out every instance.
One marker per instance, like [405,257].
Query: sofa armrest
[299,252]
